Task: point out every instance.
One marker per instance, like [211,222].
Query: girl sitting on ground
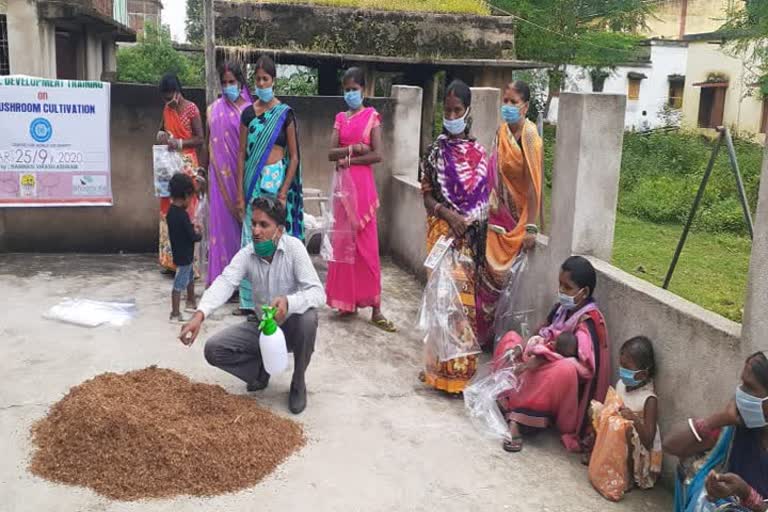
[636,390]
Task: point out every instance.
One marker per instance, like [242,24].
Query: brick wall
[143,11]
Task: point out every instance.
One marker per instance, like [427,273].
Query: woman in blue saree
[724,457]
[268,162]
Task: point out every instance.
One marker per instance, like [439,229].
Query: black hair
[640,350]
[523,88]
[567,342]
[234,68]
[272,207]
[170,83]
[758,363]
[266,64]
[582,272]
[181,186]
[460,90]
[355,74]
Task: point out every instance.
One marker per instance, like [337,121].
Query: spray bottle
[274,352]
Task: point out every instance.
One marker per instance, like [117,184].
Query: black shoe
[297,399]
[258,384]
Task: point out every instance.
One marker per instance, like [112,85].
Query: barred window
[5,62]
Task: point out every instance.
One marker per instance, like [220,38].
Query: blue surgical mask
[265,95]
[456,126]
[510,114]
[232,92]
[566,301]
[627,376]
[354,99]
[750,409]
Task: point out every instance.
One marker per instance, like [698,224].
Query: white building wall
[666,60]
[31,41]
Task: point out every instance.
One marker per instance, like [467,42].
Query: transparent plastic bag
[92,313]
[442,317]
[166,163]
[512,309]
[480,400]
[342,221]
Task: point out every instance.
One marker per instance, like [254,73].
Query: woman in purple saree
[223,145]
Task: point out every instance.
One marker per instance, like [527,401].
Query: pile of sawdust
[154,433]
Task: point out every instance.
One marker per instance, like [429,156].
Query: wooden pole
[211,80]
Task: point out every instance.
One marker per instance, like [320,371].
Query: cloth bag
[608,468]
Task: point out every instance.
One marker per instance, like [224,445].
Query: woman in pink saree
[355,147]
[223,145]
[555,389]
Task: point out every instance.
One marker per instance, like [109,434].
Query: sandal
[513,446]
[242,312]
[384,324]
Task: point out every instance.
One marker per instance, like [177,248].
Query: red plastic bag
[608,467]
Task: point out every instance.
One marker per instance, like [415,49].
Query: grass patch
[441,6]
[659,177]
[712,270]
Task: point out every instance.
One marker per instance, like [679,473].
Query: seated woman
[724,457]
[554,389]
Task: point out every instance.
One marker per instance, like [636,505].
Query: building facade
[720,90]
[141,12]
[68,39]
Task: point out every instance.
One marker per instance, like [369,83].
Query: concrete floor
[378,441]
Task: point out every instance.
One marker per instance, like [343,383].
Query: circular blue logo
[41,130]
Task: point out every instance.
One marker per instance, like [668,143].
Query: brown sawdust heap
[153,433]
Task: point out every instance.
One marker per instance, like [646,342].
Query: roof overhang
[72,14]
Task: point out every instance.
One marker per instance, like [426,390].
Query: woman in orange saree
[181,130]
[515,199]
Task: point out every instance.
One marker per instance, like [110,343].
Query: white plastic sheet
[342,221]
[513,309]
[92,313]
[449,333]
[166,163]
[480,400]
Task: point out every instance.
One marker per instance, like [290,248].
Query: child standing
[636,390]
[183,237]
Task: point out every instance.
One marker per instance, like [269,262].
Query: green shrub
[661,172]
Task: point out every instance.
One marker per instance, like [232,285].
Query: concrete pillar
[429,99]
[328,80]
[93,56]
[486,107]
[754,331]
[31,41]
[586,174]
[109,60]
[406,132]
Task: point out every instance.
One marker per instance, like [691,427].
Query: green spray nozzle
[268,323]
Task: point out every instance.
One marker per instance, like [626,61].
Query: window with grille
[5,61]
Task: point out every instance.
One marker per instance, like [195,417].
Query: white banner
[54,142]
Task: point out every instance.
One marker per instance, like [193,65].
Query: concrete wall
[667,58]
[702,16]
[743,109]
[131,223]
[357,31]
[31,41]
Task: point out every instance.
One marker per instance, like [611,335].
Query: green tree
[746,29]
[194,23]
[153,56]
[596,34]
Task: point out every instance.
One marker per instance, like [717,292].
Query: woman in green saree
[268,162]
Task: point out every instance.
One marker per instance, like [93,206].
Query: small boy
[183,237]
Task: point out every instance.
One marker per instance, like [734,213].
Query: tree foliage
[153,56]
[746,29]
[194,23]
[597,34]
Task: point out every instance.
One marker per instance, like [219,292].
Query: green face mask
[264,249]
